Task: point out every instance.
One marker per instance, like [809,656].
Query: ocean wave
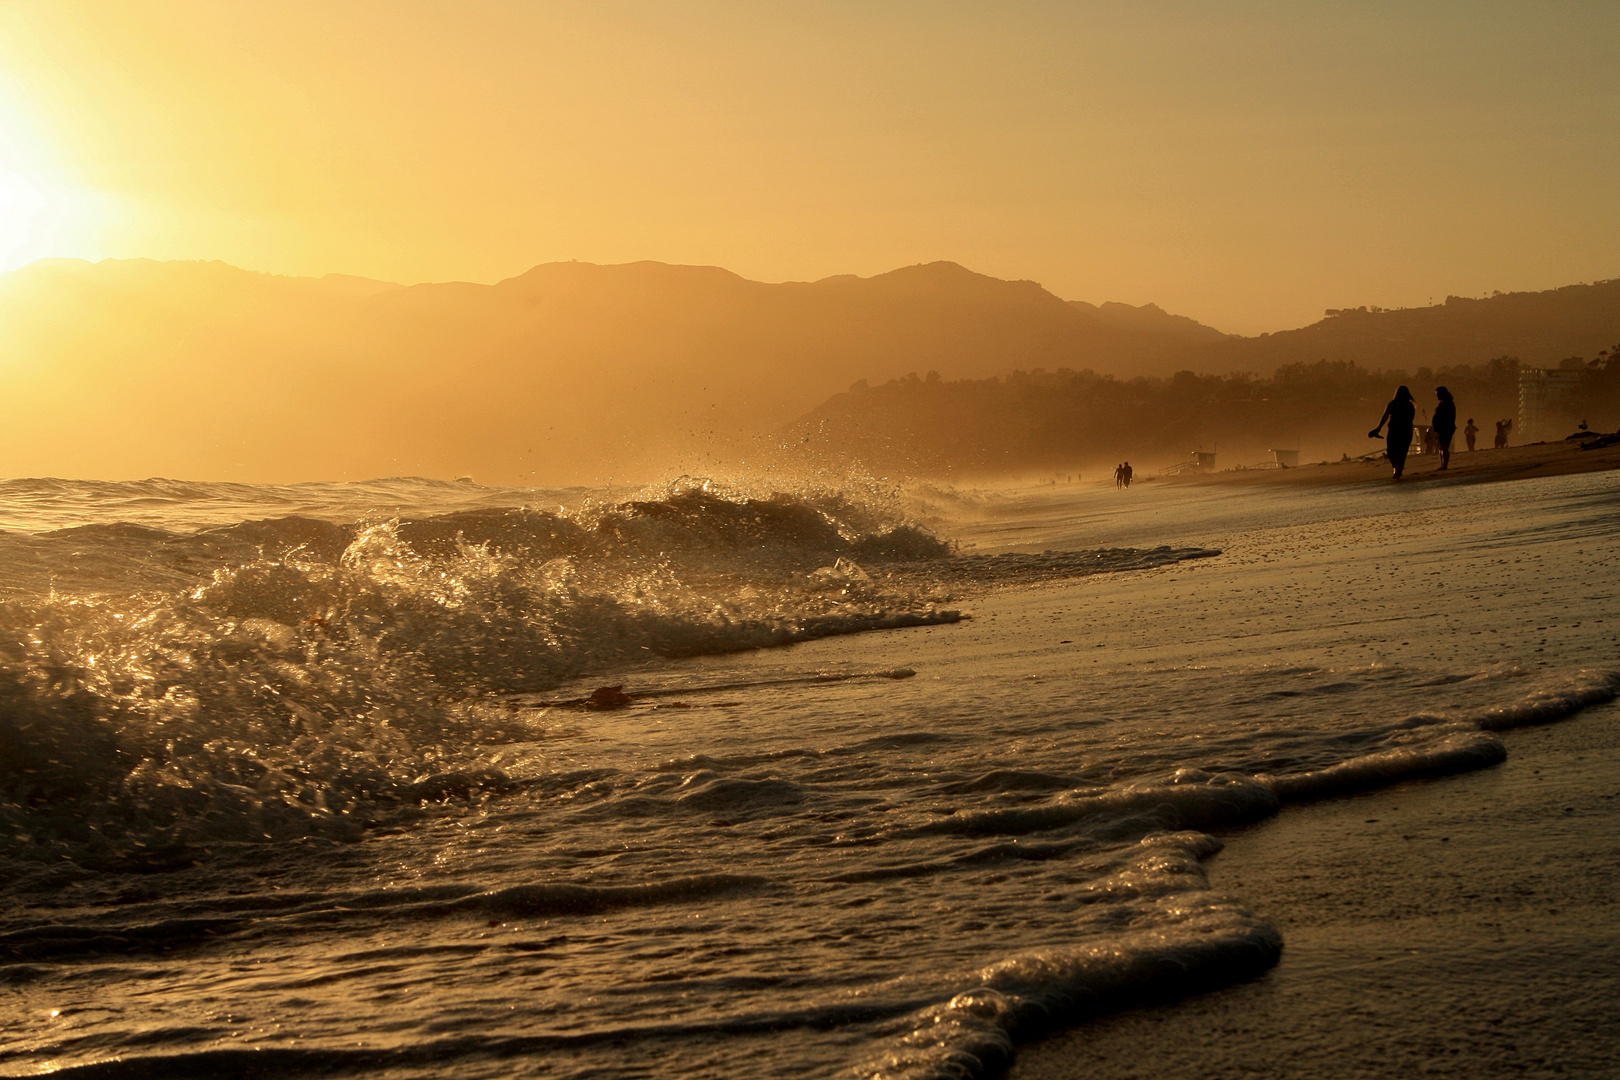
[1181,938]
[312,672]
[1178,938]
[1550,703]
[1187,799]
[1463,751]
[296,676]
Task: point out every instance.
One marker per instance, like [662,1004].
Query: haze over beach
[729,540]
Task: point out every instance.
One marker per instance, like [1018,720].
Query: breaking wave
[299,676]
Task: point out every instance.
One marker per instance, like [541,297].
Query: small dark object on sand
[607,697]
[1601,441]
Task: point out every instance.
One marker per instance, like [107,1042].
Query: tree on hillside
[1060,420]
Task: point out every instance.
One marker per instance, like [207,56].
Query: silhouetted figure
[1502,429]
[1469,432]
[1119,475]
[1444,424]
[1125,473]
[1399,414]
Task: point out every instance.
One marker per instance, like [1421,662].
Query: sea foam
[298,676]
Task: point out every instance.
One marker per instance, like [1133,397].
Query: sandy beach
[1463,926]
[1457,927]
[1469,466]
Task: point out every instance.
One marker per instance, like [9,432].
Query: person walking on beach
[1502,428]
[1444,424]
[1125,474]
[1469,432]
[1399,414]
[1119,475]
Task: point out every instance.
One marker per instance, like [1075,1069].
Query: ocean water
[421,779]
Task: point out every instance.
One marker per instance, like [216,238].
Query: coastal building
[1549,401]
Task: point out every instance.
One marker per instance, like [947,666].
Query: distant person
[1444,424]
[1399,414]
[1470,432]
[1119,475]
[1502,429]
[1125,473]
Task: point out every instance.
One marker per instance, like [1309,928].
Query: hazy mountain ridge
[569,371]
[1539,328]
[1151,318]
[576,371]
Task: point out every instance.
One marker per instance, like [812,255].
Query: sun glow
[24,219]
[43,213]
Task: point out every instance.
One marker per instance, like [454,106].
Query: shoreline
[1465,926]
[1468,466]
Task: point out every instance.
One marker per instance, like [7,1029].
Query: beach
[1458,927]
[1485,465]
[856,804]
[548,542]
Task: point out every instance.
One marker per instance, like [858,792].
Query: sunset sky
[1244,163]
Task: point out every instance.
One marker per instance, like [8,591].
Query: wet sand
[1464,927]
[1476,466]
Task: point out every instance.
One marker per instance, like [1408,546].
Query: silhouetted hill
[569,371]
[1317,389]
[786,340]
[1539,328]
[574,371]
[1062,422]
[1151,318]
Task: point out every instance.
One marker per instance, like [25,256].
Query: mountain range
[575,372]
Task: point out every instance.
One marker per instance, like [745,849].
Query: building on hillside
[1549,403]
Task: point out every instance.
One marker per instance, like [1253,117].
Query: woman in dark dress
[1444,424]
[1399,414]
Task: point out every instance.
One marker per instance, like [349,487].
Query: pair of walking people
[1401,416]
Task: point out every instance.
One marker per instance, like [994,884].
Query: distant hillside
[574,372]
[1063,422]
[569,372]
[1317,388]
[1151,319]
[1540,329]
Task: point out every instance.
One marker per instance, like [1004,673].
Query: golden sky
[1244,163]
